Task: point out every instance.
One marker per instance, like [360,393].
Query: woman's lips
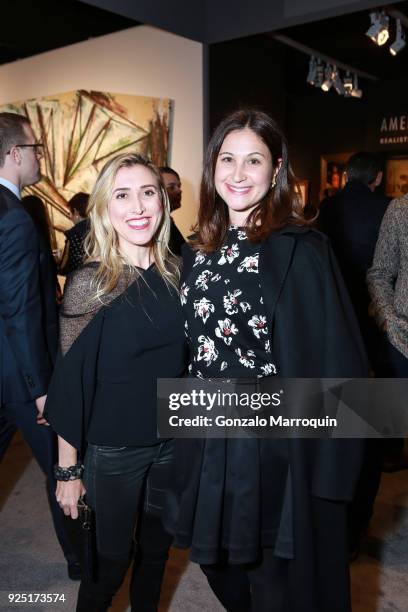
[138,224]
[238,190]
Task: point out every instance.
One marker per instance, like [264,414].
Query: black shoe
[74,571]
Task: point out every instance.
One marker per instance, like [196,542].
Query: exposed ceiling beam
[326,58]
[398,15]
[212,21]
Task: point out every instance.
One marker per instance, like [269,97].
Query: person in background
[388,286]
[172,183]
[74,254]
[28,315]
[121,328]
[39,214]
[262,295]
[352,220]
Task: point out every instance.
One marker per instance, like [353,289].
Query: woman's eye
[150,192]
[121,195]
[226,159]
[254,161]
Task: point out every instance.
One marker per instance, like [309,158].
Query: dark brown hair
[79,203]
[279,207]
[11,133]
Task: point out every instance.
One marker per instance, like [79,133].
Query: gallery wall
[140,61]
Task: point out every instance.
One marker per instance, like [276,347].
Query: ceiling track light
[312,74]
[325,77]
[348,84]
[337,82]
[399,42]
[379,30]
[328,78]
[356,92]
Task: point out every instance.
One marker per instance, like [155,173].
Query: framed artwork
[303,189]
[333,173]
[396,177]
[80,130]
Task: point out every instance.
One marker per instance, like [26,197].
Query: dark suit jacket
[352,220]
[28,318]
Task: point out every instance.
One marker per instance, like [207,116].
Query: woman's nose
[239,173]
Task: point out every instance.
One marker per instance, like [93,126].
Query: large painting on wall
[332,173]
[80,131]
[396,183]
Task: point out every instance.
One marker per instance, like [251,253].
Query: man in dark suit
[352,220]
[173,186]
[28,317]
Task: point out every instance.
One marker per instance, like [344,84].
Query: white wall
[139,61]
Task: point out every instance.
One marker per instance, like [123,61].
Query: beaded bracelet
[74,472]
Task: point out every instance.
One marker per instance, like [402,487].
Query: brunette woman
[262,295]
[121,328]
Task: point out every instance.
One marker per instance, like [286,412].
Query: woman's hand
[68,494]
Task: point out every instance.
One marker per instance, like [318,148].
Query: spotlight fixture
[337,82]
[311,76]
[319,73]
[348,84]
[399,42]
[356,92]
[379,28]
[326,75]
[328,78]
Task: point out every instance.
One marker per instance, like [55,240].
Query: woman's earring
[273,182]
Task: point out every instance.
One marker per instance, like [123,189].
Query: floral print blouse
[225,315]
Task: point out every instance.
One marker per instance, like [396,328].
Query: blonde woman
[121,329]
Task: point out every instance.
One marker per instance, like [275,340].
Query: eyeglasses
[37,146]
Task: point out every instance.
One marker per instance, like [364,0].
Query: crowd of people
[255,292]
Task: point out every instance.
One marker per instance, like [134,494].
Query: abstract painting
[80,131]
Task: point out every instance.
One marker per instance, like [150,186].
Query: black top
[142,340]
[74,252]
[103,389]
[176,240]
[226,318]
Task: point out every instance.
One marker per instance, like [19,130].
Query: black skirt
[230,495]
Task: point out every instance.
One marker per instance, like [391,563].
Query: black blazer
[28,317]
[352,220]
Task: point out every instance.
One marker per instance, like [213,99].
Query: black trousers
[42,441]
[257,587]
[122,483]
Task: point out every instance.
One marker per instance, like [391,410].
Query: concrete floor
[31,561]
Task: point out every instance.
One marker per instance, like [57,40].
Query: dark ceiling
[343,38]
[34,26]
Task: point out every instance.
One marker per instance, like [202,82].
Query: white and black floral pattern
[184,293]
[232,303]
[227,324]
[249,264]
[228,254]
[226,330]
[258,324]
[206,350]
[203,308]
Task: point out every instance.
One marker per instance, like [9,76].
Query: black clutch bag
[82,536]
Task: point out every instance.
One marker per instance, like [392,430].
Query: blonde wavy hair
[102,243]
